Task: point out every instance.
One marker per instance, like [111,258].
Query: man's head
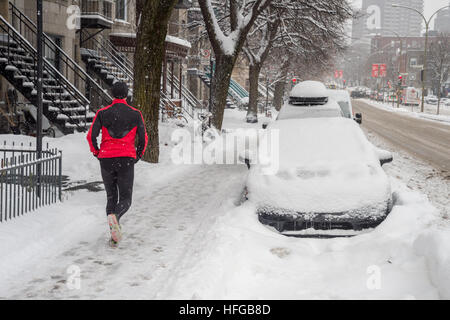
[120,90]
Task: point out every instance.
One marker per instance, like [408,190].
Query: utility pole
[427,26]
[267,93]
[211,65]
[39,91]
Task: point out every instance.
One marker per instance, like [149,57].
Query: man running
[119,124]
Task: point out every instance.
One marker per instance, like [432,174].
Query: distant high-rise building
[378,17]
[442,22]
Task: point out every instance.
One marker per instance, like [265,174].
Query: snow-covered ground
[186,236]
[414,111]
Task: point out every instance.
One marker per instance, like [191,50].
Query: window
[107,10]
[413,62]
[121,10]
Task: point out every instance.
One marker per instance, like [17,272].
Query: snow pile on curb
[433,117]
[241,259]
[434,245]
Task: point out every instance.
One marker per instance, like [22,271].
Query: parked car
[447,103]
[431,99]
[329,177]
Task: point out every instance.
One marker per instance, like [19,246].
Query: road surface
[424,139]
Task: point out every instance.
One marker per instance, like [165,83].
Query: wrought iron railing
[26,182]
[73,115]
[101,8]
[68,67]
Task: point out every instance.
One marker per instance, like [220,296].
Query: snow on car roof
[310,89]
[339,95]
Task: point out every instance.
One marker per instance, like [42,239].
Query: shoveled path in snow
[165,218]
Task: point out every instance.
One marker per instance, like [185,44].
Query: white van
[343,99]
[411,96]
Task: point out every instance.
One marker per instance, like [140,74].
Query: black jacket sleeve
[142,137]
[94,132]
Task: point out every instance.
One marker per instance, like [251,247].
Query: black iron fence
[26,182]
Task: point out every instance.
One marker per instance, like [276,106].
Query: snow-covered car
[329,177]
[431,99]
[309,99]
[343,99]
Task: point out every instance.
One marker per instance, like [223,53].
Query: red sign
[338,74]
[375,68]
[383,71]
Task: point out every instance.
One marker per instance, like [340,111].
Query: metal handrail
[102,50]
[106,48]
[63,82]
[78,71]
[188,95]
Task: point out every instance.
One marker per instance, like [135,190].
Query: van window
[345,108]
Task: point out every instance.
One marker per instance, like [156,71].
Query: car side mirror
[358,118]
[386,160]
[384,156]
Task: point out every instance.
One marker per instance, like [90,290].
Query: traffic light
[400,80]
[294,80]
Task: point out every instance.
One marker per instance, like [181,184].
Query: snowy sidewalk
[186,238]
[165,217]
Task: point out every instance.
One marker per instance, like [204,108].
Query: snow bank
[443,118]
[434,245]
[238,258]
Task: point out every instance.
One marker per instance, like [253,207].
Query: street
[427,140]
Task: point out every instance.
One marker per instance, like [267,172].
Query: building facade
[378,17]
[442,22]
[88,46]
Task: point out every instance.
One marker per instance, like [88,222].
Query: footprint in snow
[280,252]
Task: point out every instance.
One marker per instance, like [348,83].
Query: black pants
[118,176]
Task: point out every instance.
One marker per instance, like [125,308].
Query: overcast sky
[430,6]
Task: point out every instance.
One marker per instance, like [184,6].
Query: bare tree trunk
[220,83]
[253,74]
[153,17]
[281,85]
[278,94]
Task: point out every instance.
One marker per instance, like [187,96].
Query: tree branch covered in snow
[227,35]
